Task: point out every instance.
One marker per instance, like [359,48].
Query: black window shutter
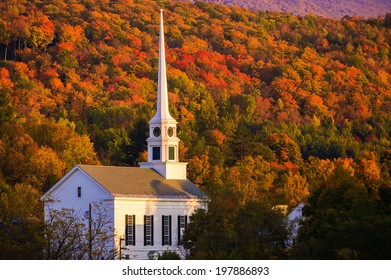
[169,232]
[182,224]
[126,231]
[163,243]
[145,230]
[152,230]
[179,230]
[134,230]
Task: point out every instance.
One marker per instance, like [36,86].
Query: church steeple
[162,111]
[163,143]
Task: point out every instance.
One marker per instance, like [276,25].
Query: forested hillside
[327,8]
[270,106]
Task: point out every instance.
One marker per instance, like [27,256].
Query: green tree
[169,255]
[228,230]
[344,221]
[210,233]
[261,232]
[21,235]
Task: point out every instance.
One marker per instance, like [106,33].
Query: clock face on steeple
[156,131]
[170,131]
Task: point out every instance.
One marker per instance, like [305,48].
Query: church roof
[140,182]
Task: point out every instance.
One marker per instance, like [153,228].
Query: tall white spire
[163,143]
[162,112]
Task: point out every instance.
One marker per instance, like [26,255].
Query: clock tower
[163,142]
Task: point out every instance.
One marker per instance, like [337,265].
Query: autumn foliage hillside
[328,8]
[268,104]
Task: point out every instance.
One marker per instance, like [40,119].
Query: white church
[149,207]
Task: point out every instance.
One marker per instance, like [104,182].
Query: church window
[182,223]
[130,230]
[155,153]
[148,230]
[166,230]
[78,191]
[171,153]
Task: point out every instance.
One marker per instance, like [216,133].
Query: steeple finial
[162,111]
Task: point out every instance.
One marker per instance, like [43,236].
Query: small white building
[149,207]
[293,219]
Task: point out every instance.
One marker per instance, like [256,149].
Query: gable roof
[140,182]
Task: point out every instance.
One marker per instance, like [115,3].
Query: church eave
[158,197]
